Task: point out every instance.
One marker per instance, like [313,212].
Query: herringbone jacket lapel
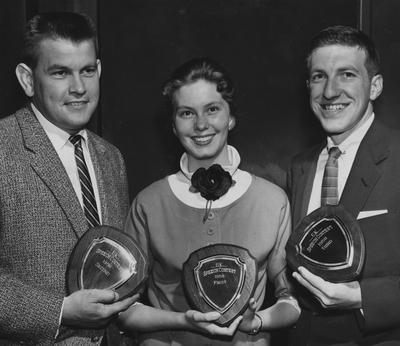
[48,166]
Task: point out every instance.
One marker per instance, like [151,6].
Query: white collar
[231,167]
[180,183]
[57,136]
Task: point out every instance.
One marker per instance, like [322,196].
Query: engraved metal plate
[106,258]
[107,265]
[225,271]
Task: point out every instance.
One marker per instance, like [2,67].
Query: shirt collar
[57,136]
[233,157]
[354,138]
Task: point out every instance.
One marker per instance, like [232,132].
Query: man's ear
[376,87]
[174,129]
[25,78]
[98,62]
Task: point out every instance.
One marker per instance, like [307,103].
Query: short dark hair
[197,69]
[71,26]
[347,36]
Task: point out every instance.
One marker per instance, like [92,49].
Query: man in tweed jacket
[41,208]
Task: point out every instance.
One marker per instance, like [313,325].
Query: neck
[340,137]
[222,159]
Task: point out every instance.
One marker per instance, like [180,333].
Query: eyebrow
[57,67]
[63,67]
[346,68]
[206,105]
[213,102]
[183,106]
[340,69]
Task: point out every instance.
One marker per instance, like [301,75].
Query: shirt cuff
[59,320]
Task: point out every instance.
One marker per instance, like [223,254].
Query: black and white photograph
[200,172]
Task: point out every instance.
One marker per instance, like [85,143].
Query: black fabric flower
[212,183]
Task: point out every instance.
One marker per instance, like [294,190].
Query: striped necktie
[89,201]
[329,190]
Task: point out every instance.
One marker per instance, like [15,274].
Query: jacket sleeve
[26,312]
[380,281]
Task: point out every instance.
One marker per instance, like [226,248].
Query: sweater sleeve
[277,259]
[136,226]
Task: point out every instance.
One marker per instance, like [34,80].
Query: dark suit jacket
[373,184]
[40,222]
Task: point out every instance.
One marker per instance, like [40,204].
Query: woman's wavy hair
[200,69]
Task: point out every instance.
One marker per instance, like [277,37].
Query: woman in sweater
[182,212]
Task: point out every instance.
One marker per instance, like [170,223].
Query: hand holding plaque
[106,258]
[329,243]
[222,278]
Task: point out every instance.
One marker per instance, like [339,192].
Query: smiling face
[341,90]
[201,122]
[65,82]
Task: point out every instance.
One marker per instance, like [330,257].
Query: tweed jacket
[40,221]
[373,190]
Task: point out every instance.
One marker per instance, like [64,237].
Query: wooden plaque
[329,243]
[220,277]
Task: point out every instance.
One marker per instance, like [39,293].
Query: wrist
[183,322]
[258,326]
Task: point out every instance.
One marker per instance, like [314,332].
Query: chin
[332,125]
[81,119]
[203,157]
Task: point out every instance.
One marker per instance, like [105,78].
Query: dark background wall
[261,42]
[384,27]
[12,18]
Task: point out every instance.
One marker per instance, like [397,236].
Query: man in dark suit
[343,82]
[45,203]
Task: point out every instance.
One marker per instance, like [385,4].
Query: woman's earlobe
[232,122]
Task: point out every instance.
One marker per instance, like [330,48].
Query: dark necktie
[329,191]
[89,201]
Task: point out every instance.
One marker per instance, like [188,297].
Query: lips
[77,104]
[202,140]
[334,107]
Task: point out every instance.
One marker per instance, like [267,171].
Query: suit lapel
[304,185]
[48,166]
[366,170]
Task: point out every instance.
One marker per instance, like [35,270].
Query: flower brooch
[212,183]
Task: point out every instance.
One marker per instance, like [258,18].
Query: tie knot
[75,139]
[334,153]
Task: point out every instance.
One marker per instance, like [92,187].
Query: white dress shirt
[66,152]
[349,149]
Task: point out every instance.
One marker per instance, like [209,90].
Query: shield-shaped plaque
[106,258]
[328,242]
[220,277]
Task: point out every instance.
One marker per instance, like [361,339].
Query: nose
[77,85]
[331,89]
[201,123]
